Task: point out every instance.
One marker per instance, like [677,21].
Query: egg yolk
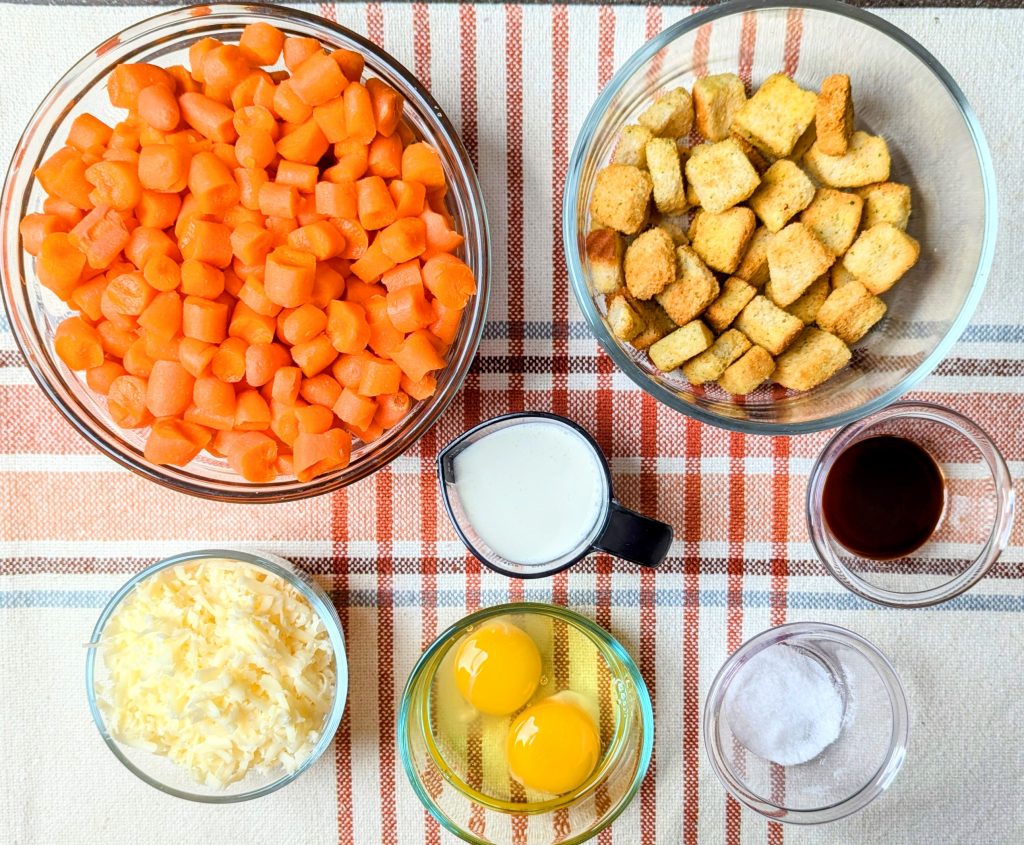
[497,668]
[553,746]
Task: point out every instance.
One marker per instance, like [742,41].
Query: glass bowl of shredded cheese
[218,676]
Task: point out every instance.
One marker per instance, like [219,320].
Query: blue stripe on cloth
[584,597]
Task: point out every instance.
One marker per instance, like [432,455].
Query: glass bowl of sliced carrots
[245,253]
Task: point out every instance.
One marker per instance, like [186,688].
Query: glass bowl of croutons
[759,211]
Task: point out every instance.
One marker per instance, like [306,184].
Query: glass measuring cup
[614,528]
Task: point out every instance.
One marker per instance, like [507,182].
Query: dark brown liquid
[883,497]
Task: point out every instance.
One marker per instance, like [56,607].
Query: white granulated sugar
[783,706]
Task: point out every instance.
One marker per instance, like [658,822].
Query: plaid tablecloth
[518,80]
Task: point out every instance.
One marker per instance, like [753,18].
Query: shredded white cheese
[220,666]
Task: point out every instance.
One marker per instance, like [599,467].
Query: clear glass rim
[570,223]
[313,593]
[996,542]
[380,453]
[875,786]
[606,642]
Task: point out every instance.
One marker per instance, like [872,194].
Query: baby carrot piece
[115,339]
[421,163]
[376,208]
[336,199]
[289,276]
[384,337]
[322,239]
[87,297]
[446,323]
[88,133]
[251,327]
[261,43]
[314,419]
[164,168]
[146,243]
[195,356]
[252,413]
[201,279]
[318,79]
[328,285]
[417,356]
[330,117]
[100,378]
[314,356]
[348,369]
[315,454]
[350,62]
[302,176]
[204,319]
[63,175]
[306,144]
[356,238]
[424,388]
[408,308]
[224,69]
[173,441]
[205,240]
[387,106]
[126,402]
[379,377]
[129,293]
[354,409]
[250,180]
[409,197]
[158,106]
[162,273]
[127,81]
[71,214]
[255,148]
[78,344]
[211,394]
[253,294]
[297,50]
[385,157]
[253,456]
[352,161]
[359,122]
[101,235]
[403,275]
[60,264]
[250,243]
[263,360]
[373,264]
[449,280]
[162,317]
[116,184]
[255,119]
[303,324]
[277,200]
[347,327]
[289,106]
[404,239]
[35,227]
[321,389]
[286,384]
[391,409]
[212,183]
[208,117]
[169,391]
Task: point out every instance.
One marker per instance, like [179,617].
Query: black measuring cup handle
[634,537]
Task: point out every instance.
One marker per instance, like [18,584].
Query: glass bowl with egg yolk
[525,722]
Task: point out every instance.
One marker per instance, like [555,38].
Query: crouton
[840,276]
[776,116]
[670,115]
[795,259]
[667,175]
[814,357]
[748,373]
[753,154]
[734,297]
[721,239]
[691,195]
[784,191]
[673,349]
[886,202]
[650,263]
[768,325]
[866,161]
[604,252]
[834,217]
[656,323]
[623,319]
[621,197]
[803,144]
[675,231]
[881,255]
[807,306]
[850,311]
[834,115]
[721,175]
[715,100]
[712,362]
[694,290]
[631,147]
[753,268]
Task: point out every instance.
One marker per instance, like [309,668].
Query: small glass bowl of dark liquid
[910,506]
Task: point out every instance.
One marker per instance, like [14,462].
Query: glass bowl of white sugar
[806,723]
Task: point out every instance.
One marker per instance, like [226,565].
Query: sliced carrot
[323,239]
[449,280]
[286,384]
[129,293]
[289,106]
[196,356]
[212,183]
[251,327]
[201,279]
[146,243]
[352,158]
[350,62]
[354,409]
[211,394]
[289,278]
[391,409]
[409,197]
[421,389]
[252,413]
[115,339]
[164,167]
[254,295]
[173,441]
[421,163]
[297,50]
[60,264]
[116,184]
[328,285]
[440,236]
[126,402]
[263,360]
[158,106]
[356,239]
[417,355]
[387,106]
[408,308]
[318,79]
[224,69]
[88,132]
[162,273]
[306,144]
[404,239]
[379,377]
[127,80]
[359,292]
[348,369]
[162,317]
[403,275]
[330,117]
[321,389]
[253,455]
[347,326]
[208,117]
[250,180]
[314,419]
[100,235]
[63,175]
[204,319]
[384,337]
[374,263]
[359,122]
[303,324]
[447,322]
[315,454]
[160,348]
[314,356]
[78,344]
[169,391]
[278,200]
[375,206]
[87,297]
[102,377]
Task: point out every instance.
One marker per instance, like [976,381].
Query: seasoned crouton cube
[881,255]
[784,191]
[814,357]
[721,239]
[711,363]
[691,195]
[631,147]
[667,175]
[866,161]
[734,297]
[670,115]
[721,175]
[621,197]
[715,100]
[604,252]
[753,154]
[833,216]
[753,268]
[675,231]
[850,311]
[656,323]
[768,325]
[886,202]
[834,115]
[839,275]
[673,349]
[747,373]
[623,319]
[694,289]
[795,259]
[650,263]
[776,116]
[803,144]
[807,306]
